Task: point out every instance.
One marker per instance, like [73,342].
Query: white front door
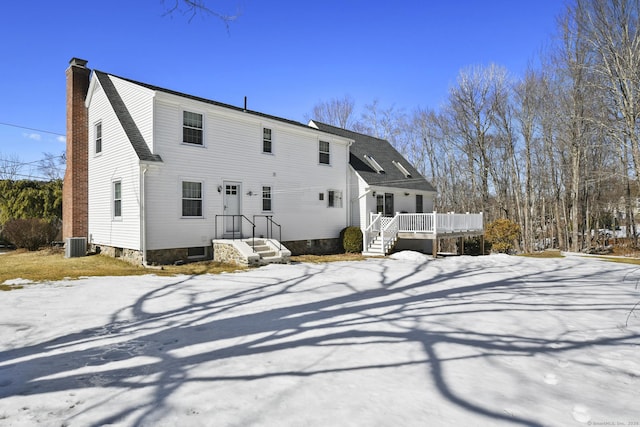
[232,207]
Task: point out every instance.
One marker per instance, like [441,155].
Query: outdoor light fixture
[219,188]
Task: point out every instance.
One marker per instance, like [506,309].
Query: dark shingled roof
[384,154]
[128,124]
[211,102]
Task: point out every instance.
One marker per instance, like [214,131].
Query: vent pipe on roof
[245,103]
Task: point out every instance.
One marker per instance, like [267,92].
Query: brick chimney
[75,195]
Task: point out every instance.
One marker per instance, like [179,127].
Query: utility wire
[33,129]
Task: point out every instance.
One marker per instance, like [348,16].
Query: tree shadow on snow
[154,344]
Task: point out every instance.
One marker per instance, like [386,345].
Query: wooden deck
[382,232]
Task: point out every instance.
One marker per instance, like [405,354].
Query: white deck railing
[433,223]
[372,231]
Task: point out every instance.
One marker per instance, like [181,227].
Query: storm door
[232,224]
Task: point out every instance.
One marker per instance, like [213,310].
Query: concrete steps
[269,251]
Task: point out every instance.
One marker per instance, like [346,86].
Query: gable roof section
[216,103]
[126,121]
[384,154]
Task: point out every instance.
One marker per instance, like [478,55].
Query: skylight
[402,169]
[372,162]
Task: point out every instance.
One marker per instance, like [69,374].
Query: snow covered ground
[401,341]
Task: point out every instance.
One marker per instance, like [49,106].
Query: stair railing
[270,224]
[389,235]
[371,232]
[239,218]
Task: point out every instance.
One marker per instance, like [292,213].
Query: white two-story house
[155,176]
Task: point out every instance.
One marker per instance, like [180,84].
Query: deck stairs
[375,248]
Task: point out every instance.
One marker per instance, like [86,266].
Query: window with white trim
[267,199]
[191,199]
[267,141]
[334,199]
[324,153]
[117,199]
[98,137]
[192,128]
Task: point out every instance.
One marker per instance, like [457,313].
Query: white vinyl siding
[117,162]
[234,160]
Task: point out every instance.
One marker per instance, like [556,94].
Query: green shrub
[351,238]
[473,246]
[502,233]
[30,233]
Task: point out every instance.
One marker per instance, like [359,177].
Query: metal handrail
[270,224]
[233,225]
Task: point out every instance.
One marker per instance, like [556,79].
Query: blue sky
[285,56]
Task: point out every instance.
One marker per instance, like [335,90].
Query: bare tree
[51,165]
[192,8]
[472,112]
[336,112]
[612,31]
[10,166]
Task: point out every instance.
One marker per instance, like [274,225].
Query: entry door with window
[232,207]
[388,204]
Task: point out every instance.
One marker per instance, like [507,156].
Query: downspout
[143,223]
[348,186]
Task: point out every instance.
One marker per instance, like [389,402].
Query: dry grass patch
[544,254]
[49,265]
[634,261]
[328,258]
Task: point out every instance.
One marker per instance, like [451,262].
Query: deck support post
[460,245]
[435,247]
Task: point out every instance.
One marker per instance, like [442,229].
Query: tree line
[556,150]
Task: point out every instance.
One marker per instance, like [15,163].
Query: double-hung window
[117,199]
[98,137]
[324,155]
[191,199]
[266,199]
[192,128]
[267,142]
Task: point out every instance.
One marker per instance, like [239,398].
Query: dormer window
[374,164]
[402,169]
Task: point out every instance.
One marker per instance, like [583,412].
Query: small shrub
[473,246]
[502,233]
[30,233]
[351,238]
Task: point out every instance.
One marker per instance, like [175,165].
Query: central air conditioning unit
[75,247]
